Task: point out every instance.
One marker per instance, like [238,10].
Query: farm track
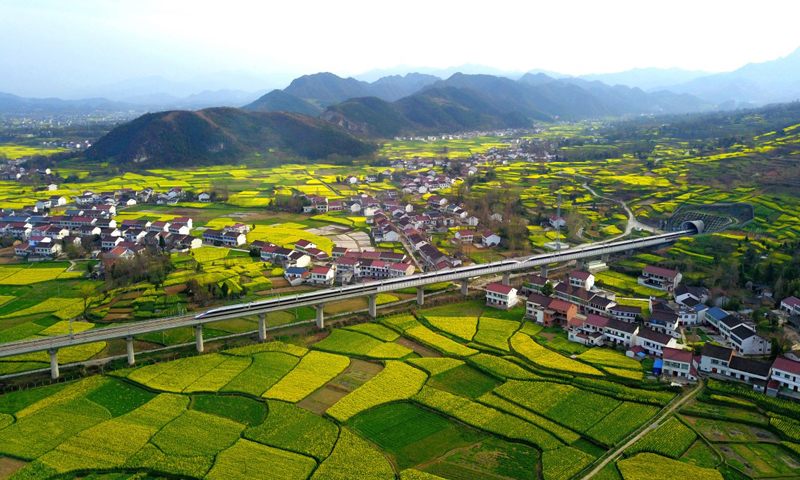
[612,455]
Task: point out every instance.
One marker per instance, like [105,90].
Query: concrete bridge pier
[320,317]
[580,264]
[420,296]
[465,286]
[373,305]
[506,278]
[262,327]
[543,271]
[198,333]
[53,362]
[129,346]
[604,258]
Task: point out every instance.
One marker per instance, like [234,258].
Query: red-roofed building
[791,306]
[660,278]
[581,279]
[678,363]
[322,276]
[501,296]
[465,236]
[787,373]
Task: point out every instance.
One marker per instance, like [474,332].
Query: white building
[501,296]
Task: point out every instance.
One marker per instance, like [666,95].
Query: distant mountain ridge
[221,135]
[468,102]
[773,81]
[322,90]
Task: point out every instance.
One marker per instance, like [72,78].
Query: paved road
[613,454]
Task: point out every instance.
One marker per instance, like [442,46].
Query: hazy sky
[51,47]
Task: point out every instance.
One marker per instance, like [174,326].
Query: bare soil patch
[424,351]
[8,466]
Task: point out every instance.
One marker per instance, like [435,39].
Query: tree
[86,292]
[547,289]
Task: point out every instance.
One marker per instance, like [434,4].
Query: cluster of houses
[45,236]
[229,235]
[341,267]
[592,317]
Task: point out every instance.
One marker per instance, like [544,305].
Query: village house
[654,342]
[678,363]
[621,333]
[322,276]
[501,296]
[581,279]
[785,375]
[715,359]
[490,239]
[659,278]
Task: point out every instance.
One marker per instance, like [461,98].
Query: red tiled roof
[664,272]
[674,354]
[321,270]
[783,363]
[580,274]
[791,301]
[499,288]
[596,320]
[560,305]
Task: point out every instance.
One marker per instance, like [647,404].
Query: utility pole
[558,224]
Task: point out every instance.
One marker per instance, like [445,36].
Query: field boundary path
[613,454]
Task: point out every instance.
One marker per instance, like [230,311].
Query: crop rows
[246,459]
[621,422]
[609,358]
[564,434]
[438,342]
[461,327]
[563,463]
[648,466]
[291,428]
[353,343]
[495,332]
[501,367]
[265,371]
[622,392]
[486,418]
[397,381]
[177,375]
[787,426]
[354,459]
[542,357]
[314,370]
[577,409]
[670,439]
[435,365]
[375,330]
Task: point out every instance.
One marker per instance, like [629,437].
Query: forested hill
[469,102]
[222,135]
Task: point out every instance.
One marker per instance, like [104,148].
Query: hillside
[470,102]
[311,94]
[280,101]
[219,135]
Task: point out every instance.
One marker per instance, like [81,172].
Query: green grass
[701,455]
[246,411]
[245,460]
[412,435]
[265,371]
[13,402]
[197,433]
[463,380]
[120,397]
[495,332]
[291,428]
